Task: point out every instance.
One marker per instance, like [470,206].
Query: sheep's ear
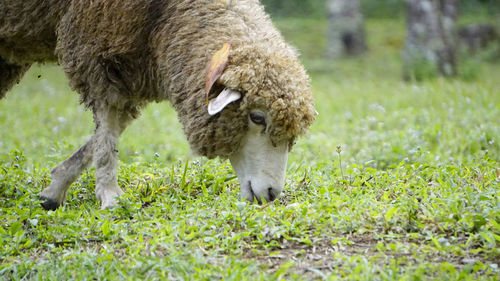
[226,97]
[216,66]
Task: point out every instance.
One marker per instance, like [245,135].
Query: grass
[395,181]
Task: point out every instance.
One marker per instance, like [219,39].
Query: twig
[339,150]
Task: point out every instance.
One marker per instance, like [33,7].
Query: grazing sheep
[121,55]
[476,36]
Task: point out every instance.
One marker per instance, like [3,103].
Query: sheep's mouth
[272,196]
[252,193]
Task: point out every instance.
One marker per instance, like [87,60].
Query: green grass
[395,181]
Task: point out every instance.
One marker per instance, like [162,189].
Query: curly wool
[261,66]
[128,53]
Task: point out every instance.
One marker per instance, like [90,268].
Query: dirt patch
[324,257]
[316,259]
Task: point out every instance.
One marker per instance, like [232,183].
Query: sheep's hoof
[49,204]
[108,196]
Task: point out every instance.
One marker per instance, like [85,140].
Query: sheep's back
[28,29]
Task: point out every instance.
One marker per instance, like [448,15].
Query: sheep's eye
[258,118]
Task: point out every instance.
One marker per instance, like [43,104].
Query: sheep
[476,36]
[120,55]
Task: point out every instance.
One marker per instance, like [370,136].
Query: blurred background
[468,30]
[370,8]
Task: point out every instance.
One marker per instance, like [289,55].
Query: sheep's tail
[10,74]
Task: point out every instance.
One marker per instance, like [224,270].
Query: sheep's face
[260,159]
[260,163]
[265,105]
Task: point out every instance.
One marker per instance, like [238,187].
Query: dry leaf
[265,205]
[216,67]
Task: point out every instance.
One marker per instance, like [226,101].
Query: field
[396,180]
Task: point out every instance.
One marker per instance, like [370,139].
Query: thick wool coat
[127,53]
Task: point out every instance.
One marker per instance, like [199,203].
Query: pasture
[396,180]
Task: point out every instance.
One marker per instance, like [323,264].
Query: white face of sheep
[259,163]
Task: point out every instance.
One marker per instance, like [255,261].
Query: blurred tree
[346,32]
[431,41]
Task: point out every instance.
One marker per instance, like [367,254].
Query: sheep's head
[266,97]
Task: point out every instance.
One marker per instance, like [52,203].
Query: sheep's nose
[268,194]
[272,193]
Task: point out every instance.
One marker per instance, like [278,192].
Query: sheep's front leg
[109,125]
[64,175]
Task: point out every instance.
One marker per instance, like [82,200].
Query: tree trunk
[431,39]
[346,33]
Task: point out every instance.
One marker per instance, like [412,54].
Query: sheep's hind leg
[110,123]
[10,74]
[64,175]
